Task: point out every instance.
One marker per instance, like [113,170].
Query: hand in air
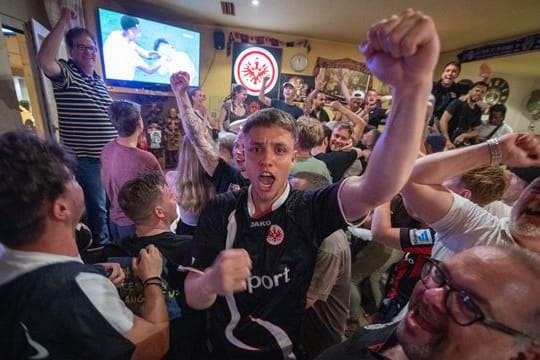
[520,150]
[403,49]
[179,82]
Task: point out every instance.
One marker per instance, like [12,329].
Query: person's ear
[159,212]
[467,194]
[60,209]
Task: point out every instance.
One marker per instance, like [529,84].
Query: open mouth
[266,179]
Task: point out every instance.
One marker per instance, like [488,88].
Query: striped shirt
[82,104]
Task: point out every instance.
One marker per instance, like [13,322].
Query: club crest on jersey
[275,235]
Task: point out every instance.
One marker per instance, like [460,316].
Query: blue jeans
[88,175]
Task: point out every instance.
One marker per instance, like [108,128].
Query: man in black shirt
[460,123]
[258,246]
[149,203]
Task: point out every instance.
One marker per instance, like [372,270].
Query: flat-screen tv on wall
[142,53]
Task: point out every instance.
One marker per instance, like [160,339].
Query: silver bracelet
[494,151]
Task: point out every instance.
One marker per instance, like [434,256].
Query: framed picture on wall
[355,74]
[302,84]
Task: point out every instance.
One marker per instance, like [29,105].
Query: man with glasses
[480,304]
[82,101]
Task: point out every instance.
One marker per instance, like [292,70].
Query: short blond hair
[486,184]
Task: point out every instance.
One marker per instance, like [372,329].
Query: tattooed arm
[194,128]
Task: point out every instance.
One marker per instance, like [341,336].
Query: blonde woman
[192,187]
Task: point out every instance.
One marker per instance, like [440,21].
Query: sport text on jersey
[268,281]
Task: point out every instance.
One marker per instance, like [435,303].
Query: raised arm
[263,98]
[194,128]
[359,120]
[381,227]
[428,200]
[48,52]
[343,84]
[150,332]
[401,51]
[308,102]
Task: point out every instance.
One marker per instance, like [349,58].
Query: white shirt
[467,225]
[486,129]
[120,57]
[98,289]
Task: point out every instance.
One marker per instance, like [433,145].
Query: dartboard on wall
[498,91]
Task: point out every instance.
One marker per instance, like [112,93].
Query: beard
[413,351]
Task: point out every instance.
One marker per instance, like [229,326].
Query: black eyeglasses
[82,48]
[459,304]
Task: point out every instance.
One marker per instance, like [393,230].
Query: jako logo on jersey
[268,282]
[260,223]
[275,235]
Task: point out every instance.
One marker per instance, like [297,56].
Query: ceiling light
[7,32]
[254,2]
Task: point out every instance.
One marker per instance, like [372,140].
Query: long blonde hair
[193,185]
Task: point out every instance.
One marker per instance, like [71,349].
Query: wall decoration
[497,92]
[250,65]
[303,85]
[523,44]
[356,74]
[238,37]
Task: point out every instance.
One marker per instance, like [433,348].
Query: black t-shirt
[294,110]
[337,162]
[445,95]
[376,117]
[463,118]
[367,343]
[187,326]
[321,115]
[283,246]
[226,178]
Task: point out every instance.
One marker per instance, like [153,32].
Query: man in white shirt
[53,305]
[494,126]
[461,224]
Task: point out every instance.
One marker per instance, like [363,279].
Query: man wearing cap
[122,55]
[287,104]
[461,224]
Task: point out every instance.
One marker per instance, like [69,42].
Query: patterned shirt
[82,103]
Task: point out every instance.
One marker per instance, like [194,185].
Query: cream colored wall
[216,76]
[215,67]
